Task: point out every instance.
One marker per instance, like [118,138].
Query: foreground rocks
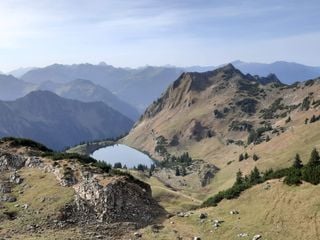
[116,203]
[123,199]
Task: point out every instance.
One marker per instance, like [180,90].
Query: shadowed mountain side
[59,122]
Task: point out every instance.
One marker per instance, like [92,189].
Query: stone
[203,215]
[196,238]
[8,198]
[242,235]
[257,237]
[234,212]
[137,235]
[15,178]
[5,187]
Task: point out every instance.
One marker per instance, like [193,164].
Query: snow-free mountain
[141,86]
[58,122]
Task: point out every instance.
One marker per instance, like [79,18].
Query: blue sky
[135,33]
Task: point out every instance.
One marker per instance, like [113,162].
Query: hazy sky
[139,32]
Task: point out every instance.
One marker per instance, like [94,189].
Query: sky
[131,33]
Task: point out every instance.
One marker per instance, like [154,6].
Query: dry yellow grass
[42,194]
[282,212]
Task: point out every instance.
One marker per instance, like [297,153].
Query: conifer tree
[297,162]
[314,158]
[239,178]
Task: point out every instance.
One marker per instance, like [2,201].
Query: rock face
[11,161]
[121,200]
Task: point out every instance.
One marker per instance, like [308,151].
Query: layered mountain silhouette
[12,88]
[86,91]
[287,72]
[141,86]
[59,122]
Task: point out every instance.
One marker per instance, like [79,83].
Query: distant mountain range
[20,71]
[141,86]
[82,90]
[287,72]
[59,122]
[12,88]
[120,91]
[86,91]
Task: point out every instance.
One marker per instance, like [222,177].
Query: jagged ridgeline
[223,105]
[53,194]
[239,135]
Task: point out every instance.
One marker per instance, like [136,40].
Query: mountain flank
[60,122]
[219,115]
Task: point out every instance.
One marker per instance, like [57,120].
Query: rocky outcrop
[123,199]
[99,197]
[11,161]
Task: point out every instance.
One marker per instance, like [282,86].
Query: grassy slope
[36,186]
[282,212]
[172,201]
[277,154]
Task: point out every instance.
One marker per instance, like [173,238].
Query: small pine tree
[255,177]
[267,138]
[313,119]
[141,167]
[288,119]
[117,165]
[297,162]
[246,156]
[306,121]
[177,171]
[255,157]
[314,158]
[241,157]
[293,177]
[183,171]
[239,178]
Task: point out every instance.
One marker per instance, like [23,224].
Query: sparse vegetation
[181,161]
[248,105]
[305,104]
[83,159]
[240,126]
[24,142]
[255,157]
[293,176]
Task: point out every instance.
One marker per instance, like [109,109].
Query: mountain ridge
[60,122]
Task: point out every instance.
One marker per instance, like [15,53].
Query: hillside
[45,195]
[86,91]
[60,122]
[265,210]
[211,116]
